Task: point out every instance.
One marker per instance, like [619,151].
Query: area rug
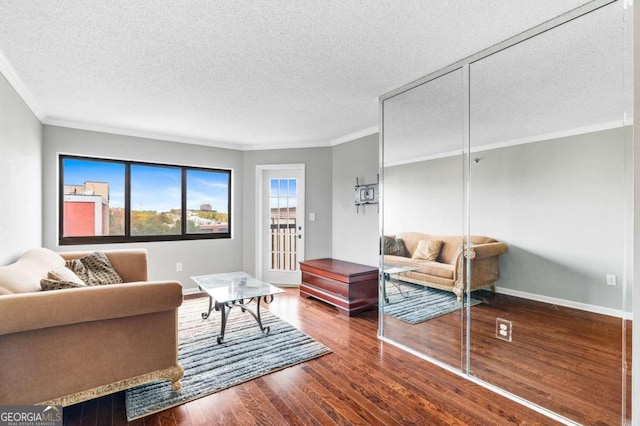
[209,367]
[419,303]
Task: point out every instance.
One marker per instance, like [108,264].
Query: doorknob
[299,236]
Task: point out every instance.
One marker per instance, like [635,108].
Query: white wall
[317,198]
[20,174]
[355,235]
[198,257]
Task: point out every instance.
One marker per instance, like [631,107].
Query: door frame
[260,169]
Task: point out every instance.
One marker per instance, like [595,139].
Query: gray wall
[355,235]
[424,197]
[558,204]
[20,174]
[317,198]
[198,257]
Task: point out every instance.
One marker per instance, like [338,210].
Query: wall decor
[366,194]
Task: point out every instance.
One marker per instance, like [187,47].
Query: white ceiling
[574,78]
[244,75]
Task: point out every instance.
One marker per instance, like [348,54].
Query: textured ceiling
[571,79]
[248,75]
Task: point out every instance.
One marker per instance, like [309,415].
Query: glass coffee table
[389,270]
[228,290]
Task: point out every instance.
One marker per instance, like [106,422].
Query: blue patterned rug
[419,303]
[245,354]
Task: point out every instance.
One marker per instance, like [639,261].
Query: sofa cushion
[450,247]
[131,264]
[442,270]
[64,274]
[94,269]
[25,274]
[51,284]
[427,250]
[394,246]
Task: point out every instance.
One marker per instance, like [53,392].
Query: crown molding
[315,144]
[420,159]
[139,133]
[552,135]
[504,144]
[287,145]
[355,135]
[16,82]
[195,141]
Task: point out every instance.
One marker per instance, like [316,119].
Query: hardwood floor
[364,381]
[563,359]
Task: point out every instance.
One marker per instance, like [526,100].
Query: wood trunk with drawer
[350,287]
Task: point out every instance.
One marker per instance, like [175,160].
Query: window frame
[127,237]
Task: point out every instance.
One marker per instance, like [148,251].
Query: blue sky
[152,187]
[283,193]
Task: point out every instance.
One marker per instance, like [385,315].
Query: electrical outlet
[179,267]
[503,329]
[611,280]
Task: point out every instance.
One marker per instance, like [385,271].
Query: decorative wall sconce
[366,194]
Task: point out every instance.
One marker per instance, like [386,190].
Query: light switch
[312,216]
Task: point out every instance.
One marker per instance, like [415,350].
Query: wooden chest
[350,287]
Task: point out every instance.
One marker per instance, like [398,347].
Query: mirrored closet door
[507,211]
[550,174]
[423,172]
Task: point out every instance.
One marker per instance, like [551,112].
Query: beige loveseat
[66,346]
[448,271]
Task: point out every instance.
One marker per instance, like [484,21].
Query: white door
[282,223]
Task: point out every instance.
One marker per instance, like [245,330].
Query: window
[283,202]
[156,200]
[109,201]
[205,191]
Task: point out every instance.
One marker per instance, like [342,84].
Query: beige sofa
[66,346]
[448,271]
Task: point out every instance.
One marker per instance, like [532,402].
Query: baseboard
[566,303]
[188,291]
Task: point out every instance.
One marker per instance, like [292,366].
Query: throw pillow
[394,246]
[94,269]
[48,284]
[64,274]
[428,250]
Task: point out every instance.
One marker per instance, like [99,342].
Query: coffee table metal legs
[226,307]
[387,278]
[224,310]
[205,315]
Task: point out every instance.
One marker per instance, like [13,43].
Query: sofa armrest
[482,251]
[37,310]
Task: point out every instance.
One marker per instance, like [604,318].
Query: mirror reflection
[423,177]
[544,281]
[549,179]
